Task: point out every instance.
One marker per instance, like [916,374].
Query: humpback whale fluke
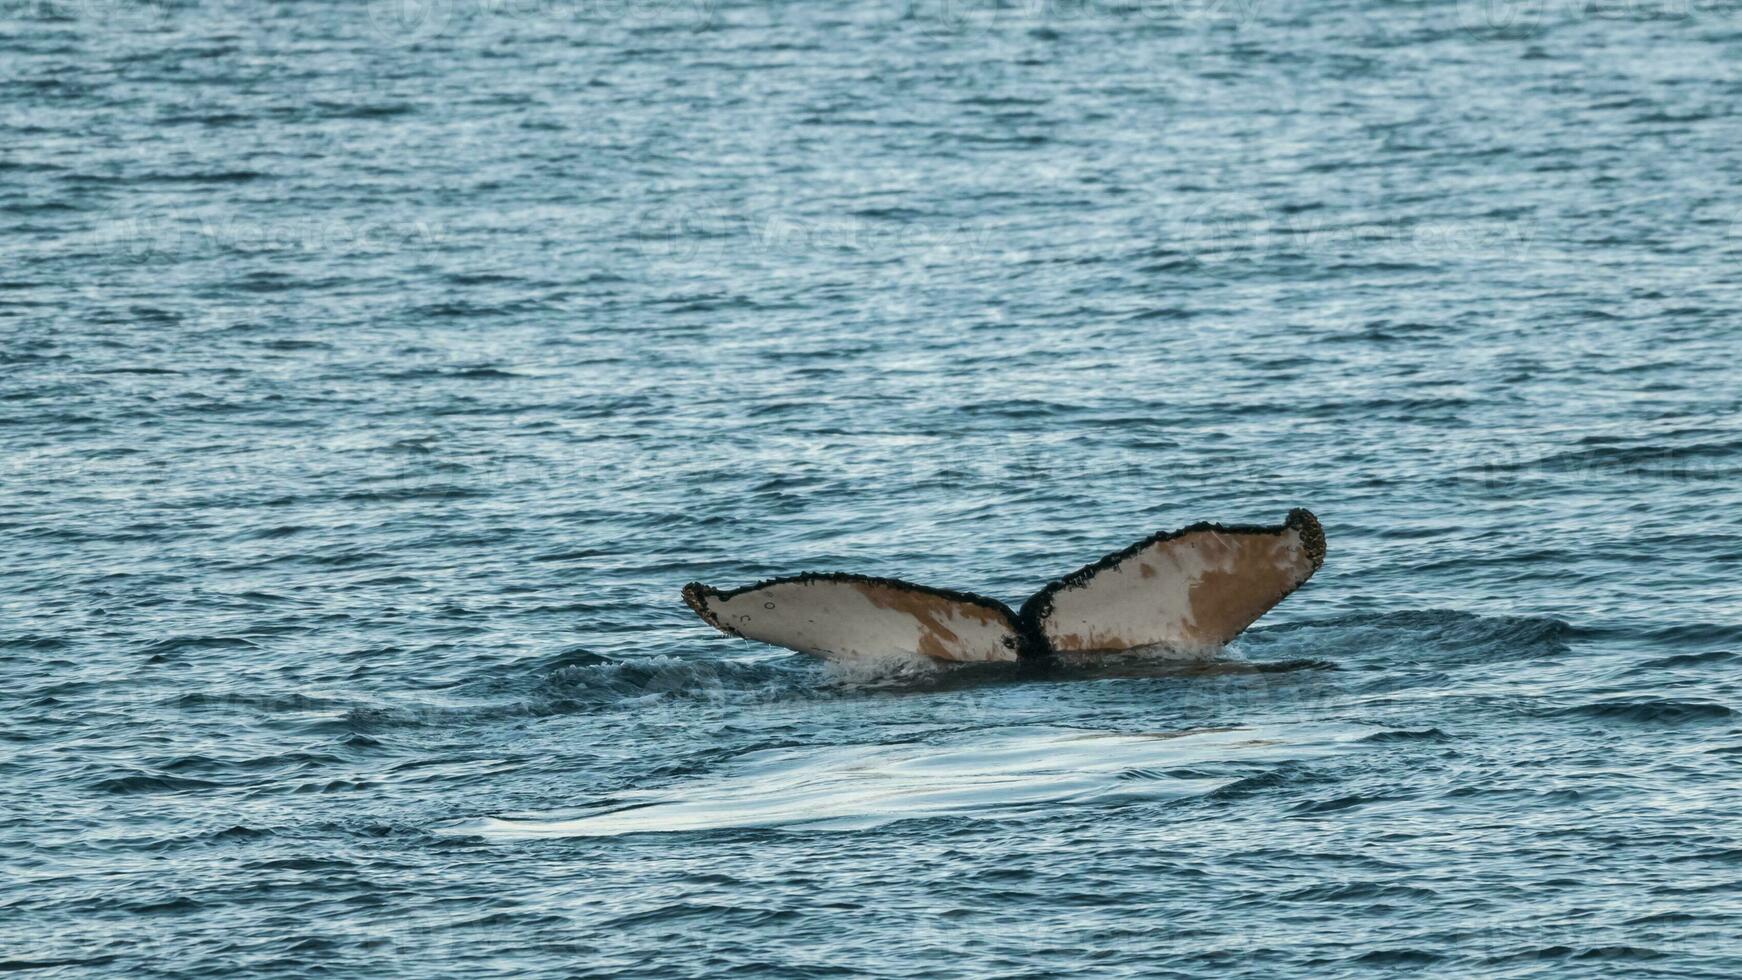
[1195,588]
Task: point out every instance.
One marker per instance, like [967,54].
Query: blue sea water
[373,374]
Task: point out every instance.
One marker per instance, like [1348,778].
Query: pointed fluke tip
[692,597]
[1312,534]
[695,595]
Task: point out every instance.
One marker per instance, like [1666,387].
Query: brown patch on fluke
[1077,643]
[1238,572]
[799,612]
[1224,602]
[935,639]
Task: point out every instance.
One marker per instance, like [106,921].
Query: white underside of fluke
[857,618]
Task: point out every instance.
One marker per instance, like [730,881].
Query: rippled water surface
[372,376]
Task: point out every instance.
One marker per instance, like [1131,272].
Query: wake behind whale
[997,773]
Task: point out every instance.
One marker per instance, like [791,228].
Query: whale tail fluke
[1195,588]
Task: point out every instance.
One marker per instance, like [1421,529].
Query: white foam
[986,773]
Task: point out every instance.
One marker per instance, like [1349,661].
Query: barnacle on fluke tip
[1194,588]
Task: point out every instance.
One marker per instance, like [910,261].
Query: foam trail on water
[985,773]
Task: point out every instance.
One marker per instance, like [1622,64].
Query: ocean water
[374,374]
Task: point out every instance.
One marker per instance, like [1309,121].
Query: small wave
[1406,735]
[1650,711]
[1290,666]
[1728,855]
[182,644]
[289,344]
[232,834]
[212,177]
[1437,637]
[1334,804]
[705,914]
[1359,891]
[35,642]
[1692,633]
[209,765]
[1398,957]
[270,703]
[1684,461]
[1281,777]
[50,964]
[1620,952]
[332,110]
[582,680]
[431,491]
[476,373]
[151,783]
[1662,918]
[1166,313]
[1617,952]
[577,681]
[1709,659]
[575,657]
